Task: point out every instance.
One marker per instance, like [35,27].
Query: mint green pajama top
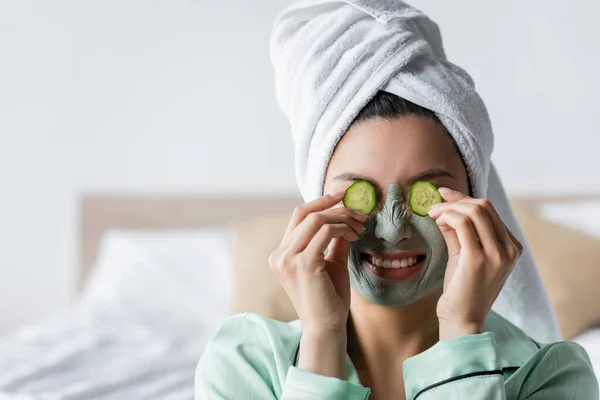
[254,358]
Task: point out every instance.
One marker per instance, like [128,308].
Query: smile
[397,266]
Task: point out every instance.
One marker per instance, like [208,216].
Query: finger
[356,215]
[452,195]
[324,236]
[515,241]
[302,211]
[465,231]
[515,248]
[304,232]
[451,239]
[480,219]
[339,250]
[511,240]
[494,217]
[499,227]
[308,228]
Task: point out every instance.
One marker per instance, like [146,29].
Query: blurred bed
[156,280]
[158,275]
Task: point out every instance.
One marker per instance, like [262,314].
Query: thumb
[452,195]
[339,250]
[451,239]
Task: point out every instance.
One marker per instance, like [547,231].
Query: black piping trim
[480,373]
[296,354]
[456,378]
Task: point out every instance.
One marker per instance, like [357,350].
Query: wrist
[324,353]
[453,329]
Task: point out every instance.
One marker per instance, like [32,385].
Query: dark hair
[389,106]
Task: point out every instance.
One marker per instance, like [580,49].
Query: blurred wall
[177,97]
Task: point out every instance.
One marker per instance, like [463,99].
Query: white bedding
[73,357]
[590,341]
[138,329]
[584,216]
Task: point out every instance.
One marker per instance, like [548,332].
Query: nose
[392,221]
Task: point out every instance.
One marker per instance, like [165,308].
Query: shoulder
[559,370]
[251,331]
[531,367]
[249,327]
[248,344]
[516,348]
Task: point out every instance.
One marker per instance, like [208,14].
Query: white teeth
[396,263]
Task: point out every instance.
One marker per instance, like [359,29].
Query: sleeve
[303,385]
[244,362]
[469,367]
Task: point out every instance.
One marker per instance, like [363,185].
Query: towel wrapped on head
[331,57]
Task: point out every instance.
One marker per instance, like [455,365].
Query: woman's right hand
[318,286]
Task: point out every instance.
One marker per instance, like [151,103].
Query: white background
[134,96]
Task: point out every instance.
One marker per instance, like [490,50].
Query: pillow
[257,288]
[568,260]
[583,216]
[166,279]
[590,341]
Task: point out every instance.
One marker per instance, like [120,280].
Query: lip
[394,274]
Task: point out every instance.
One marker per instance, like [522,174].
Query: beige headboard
[101,213]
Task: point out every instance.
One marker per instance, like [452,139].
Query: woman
[400,305]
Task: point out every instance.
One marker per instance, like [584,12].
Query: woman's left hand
[481,255]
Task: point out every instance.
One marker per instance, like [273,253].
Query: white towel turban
[331,57]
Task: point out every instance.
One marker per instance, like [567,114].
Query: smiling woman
[409,144]
[389,300]
[392,305]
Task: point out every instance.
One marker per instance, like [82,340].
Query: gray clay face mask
[391,230]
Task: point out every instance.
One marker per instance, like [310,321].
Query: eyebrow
[430,174]
[350,176]
[425,175]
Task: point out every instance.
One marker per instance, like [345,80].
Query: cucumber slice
[360,196]
[423,195]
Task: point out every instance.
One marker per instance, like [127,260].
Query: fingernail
[361,228]
[338,194]
[445,191]
[361,215]
[434,209]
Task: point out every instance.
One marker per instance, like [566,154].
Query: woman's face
[400,257]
